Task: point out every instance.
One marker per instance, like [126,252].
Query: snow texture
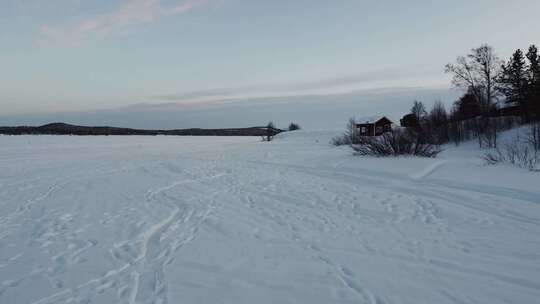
[235,220]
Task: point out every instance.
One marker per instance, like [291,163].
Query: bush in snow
[294,126]
[341,140]
[520,153]
[396,143]
[348,137]
[533,137]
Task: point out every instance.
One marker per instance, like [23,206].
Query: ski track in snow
[237,221]
[429,170]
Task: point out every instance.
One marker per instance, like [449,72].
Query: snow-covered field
[235,220]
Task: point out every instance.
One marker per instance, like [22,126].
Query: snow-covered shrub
[533,137]
[294,126]
[396,143]
[520,155]
[348,137]
[523,153]
[342,140]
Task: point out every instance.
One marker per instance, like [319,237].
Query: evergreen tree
[534,81]
[513,81]
[467,106]
[410,121]
[534,65]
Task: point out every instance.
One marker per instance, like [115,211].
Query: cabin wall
[381,128]
[373,129]
[365,129]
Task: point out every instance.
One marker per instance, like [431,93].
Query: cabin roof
[371,119]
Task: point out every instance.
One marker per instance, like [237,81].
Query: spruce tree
[534,81]
[513,81]
[534,64]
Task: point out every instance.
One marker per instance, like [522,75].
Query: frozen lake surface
[236,220]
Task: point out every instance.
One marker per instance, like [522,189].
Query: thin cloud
[129,13]
[210,93]
[366,80]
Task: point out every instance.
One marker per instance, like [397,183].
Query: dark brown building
[374,126]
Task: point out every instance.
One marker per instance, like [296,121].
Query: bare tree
[477,72]
[438,115]
[438,122]
[350,136]
[419,110]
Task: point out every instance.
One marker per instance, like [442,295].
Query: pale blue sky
[69,55]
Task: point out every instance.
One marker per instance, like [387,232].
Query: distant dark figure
[294,126]
[270,132]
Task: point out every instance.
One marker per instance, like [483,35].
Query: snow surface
[236,220]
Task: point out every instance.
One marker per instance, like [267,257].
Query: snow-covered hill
[236,220]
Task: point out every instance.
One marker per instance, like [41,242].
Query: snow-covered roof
[369,119]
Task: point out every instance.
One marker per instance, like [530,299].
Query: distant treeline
[67,129]
[498,95]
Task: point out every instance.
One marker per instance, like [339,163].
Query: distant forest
[67,129]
